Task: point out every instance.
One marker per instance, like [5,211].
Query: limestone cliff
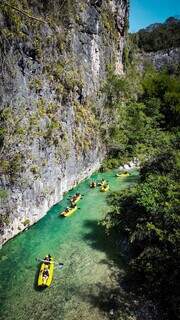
[159,44]
[169,59]
[54,59]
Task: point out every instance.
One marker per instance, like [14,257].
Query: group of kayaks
[47,265]
[73,206]
[103,184]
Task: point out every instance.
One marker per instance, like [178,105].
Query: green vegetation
[146,109]
[2,133]
[162,36]
[35,84]
[145,113]
[34,169]
[109,23]
[4,219]
[148,216]
[86,127]
[3,194]
[4,165]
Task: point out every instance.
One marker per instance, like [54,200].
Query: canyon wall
[55,57]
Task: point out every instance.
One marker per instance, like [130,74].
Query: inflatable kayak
[68,211]
[46,273]
[104,188]
[123,174]
[75,198]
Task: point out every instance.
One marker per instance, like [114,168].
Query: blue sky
[145,12]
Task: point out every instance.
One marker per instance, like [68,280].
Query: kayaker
[47,259]
[73,198]
[45,274]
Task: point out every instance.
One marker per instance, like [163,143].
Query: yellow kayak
[104,188]
[68,212]
[123,174]
[75,198]
[102,183]
[46,273]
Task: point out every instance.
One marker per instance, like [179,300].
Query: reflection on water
[90,261]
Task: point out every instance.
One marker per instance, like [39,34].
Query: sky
[145,12]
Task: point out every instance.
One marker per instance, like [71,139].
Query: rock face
[169,58]
[54,59]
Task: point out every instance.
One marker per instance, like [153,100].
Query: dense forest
[147,215]
[160,37]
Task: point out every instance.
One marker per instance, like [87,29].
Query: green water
[90,261]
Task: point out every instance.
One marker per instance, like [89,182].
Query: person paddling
[47,259]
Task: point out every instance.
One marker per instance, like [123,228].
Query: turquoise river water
[89,257]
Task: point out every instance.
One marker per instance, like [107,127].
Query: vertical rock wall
[54,59]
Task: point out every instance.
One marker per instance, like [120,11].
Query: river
[79,290]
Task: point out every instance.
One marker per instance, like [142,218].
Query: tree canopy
[160,37]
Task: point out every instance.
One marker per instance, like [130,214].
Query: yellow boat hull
[104,188]
[46,282]
[122,174]
[69,213]
[101,184]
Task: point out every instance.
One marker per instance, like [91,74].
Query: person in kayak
[93,184]
[75,197]
[45,274]
[47,259]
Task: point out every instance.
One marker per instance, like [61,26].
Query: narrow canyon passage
[80,289]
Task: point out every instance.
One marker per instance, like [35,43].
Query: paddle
[59,264]
[43,260]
